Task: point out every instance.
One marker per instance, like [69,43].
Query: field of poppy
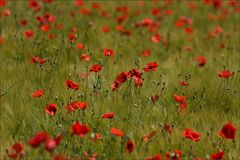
[152,80]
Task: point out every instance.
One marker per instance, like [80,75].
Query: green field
[172,34]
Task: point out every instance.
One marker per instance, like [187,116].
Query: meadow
[149,80]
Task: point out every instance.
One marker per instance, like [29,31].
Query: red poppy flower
[33,4]
[28,33]
[105,29]
[152,66]
[38,93]
[72,85]
[79,129]
[134,73]
[189,30]
[116,132]
[59,26]
[51,109]
[156,157]
[85,11]
[130,146]
[146,22]
[85,57]
[155,11]
[7,12]
[218,30]
[192,135]
[45,27]
[108,52]
[39,60]
[168,12]
[181,101]
[228,131]
[156,38]
[38,139]
[72,37]
[78,2]
[217,156]
[2,40]
[52,36]
[154,98]
[80,45]
[222,45]
[184,83]
[148,136]
[201,61]
[179,24]
[96,5]
[108,115]
[121,78]
[17,151]
[76,105]
[225,74]
[51,144]
[96,68]
[174,155]
[146,53]
[3,3]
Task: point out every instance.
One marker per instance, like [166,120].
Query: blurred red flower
[152,66]
[96,68]
[51,109]
[108,52]
[225,74]
[120,79]
[38,139]
[79,129]
[85,57]
[130,146]
[38,93]
[217,156]
[156,38]
[72,85]
[154,98]
[116,132]
[80,46]
[45,27]
[16,152]
[51,144]
[108,115]
[72,37]
[184,83]
[201,61]
[228,131]
[146,53]
[28,33]
[76,105]
[192,135]
[36,59]
[181,101]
